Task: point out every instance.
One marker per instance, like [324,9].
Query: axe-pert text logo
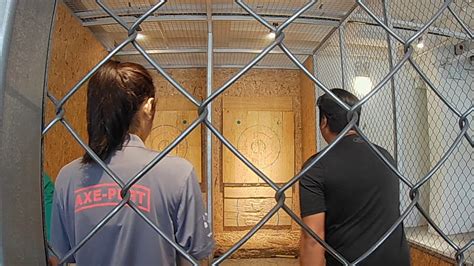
[108,194]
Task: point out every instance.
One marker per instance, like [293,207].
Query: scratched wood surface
[173,116]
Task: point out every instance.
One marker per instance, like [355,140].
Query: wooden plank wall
[308,114]
[74,52]
[256,83]
[262,128]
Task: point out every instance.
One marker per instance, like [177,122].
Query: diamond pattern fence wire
[391,115]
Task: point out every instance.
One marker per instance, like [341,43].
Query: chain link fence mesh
[419,108]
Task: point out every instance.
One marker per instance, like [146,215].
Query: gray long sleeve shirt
[169,195]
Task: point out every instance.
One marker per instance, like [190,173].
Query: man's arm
[311,252]
[313,212]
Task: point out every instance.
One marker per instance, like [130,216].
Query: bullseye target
[169,123]
[163,135]
[260,144]
[264,137]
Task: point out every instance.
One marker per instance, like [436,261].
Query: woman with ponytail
[120,110]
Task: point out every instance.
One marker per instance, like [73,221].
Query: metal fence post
[22,85]
[342,51]
[391,55]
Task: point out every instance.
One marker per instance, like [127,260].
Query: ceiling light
[420,44]
[362,85]
[140,37]
[362,82]
[271,35]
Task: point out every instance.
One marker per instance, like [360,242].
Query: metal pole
[391,56]
[208,131]
[25,29]
[342,51]
[316,94]
[209,118]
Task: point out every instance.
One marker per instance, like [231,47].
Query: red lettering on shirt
[78,201]
[141,195]
[97,195]
[111,192]
[87,197]
[108,194]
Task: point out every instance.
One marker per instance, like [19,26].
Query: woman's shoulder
[170,164]
[68,172]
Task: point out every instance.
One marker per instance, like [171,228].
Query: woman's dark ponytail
[114,95]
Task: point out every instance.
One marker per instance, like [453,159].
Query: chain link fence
[419,108]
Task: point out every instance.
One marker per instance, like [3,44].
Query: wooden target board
[265,138]
[264,134]
[172,117]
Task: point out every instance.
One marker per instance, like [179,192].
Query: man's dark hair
[334,113]
[114,95]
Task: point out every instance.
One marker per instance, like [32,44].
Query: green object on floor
[48,191]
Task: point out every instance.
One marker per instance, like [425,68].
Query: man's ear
[324,122]
[149,108]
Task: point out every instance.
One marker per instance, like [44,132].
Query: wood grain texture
[74,52]
[308,111]
[256,83]
[265,138]
[167,126]
[421,257]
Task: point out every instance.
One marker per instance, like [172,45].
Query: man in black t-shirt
[350,197]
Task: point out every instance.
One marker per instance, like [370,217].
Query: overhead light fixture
[362,82]
[420,44]
[271,35]
[362,85]
[140,36]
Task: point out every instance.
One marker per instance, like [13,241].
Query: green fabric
[48,191]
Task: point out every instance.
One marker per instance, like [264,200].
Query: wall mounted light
[272,35]
[140,37]
[362,82]
[421,43]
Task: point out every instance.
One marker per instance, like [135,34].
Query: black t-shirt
[360,196]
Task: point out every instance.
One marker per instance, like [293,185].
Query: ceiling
[176,35]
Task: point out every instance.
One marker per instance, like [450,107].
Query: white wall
[412,137]
[452,187]
[422,132]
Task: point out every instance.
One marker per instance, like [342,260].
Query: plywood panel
[247,212]
[253,192]
[167,126]
[266,104]
[74,52]
[245,206]
[308,114]
[421,257]
[265,138]
[174,103]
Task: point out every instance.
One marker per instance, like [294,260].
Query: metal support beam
[410,26]
[343,55]
[290,67]
[130,19]
[391,61]
[209,88]
[215,50]
[25,29]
